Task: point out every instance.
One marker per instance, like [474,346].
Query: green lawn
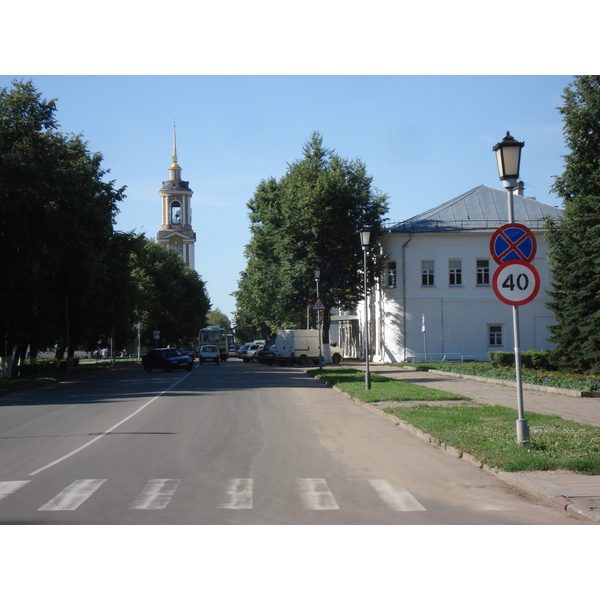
[486,432]
[382,388]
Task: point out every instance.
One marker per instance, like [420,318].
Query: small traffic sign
[319,305]
[157,335]
[516,282]
[513,241]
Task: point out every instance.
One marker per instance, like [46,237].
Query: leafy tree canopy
[311,216]
[574,242]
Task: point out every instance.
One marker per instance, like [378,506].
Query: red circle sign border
[526,264]
[501,229]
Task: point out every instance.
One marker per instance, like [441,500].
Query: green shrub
[537,359]
[502,359]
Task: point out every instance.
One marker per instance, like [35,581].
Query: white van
[298,346]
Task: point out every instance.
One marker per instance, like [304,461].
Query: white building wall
[456,317]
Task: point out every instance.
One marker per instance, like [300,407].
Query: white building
[440,271]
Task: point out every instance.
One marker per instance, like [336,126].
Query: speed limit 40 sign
[516,282]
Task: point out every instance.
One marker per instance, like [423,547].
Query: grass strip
[489,434]
[486,432]
[52,376]
[382,388]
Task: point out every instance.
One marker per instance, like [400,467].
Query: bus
[217,336]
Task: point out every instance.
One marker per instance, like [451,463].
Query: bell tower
[176,225]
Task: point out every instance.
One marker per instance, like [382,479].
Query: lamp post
[365,238]
[317,271]
[508,156]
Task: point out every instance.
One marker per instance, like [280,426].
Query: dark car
[265,355]
[189,350]
[167,359]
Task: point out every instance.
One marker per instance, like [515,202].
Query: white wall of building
[457,317]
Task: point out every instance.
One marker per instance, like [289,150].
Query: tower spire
[175,145]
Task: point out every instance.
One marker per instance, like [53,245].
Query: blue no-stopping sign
[513,241]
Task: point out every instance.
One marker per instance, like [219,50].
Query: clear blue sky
[424,139]
[420,93]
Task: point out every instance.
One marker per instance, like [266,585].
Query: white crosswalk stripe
[8,487]
[156,494]
[396,499]
[239,494]
[73,496]
[315,495]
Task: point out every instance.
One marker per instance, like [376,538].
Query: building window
[483,271]
[455,272]
[495,335]
[427,273]
[391,274]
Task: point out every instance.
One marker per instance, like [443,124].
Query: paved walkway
[577,494]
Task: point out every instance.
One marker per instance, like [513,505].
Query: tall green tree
[217,317]
[171,297]
[56,221]
[574,242]
[311,216]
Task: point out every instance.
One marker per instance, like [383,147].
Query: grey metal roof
[481,208]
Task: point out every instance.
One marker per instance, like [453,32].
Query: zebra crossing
[237,494]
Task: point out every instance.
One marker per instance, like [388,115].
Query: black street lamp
[508,156]
[365,238]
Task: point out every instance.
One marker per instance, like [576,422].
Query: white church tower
[176,226]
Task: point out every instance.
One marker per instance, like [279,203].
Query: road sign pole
[522,426]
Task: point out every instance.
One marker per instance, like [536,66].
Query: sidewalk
[579,495]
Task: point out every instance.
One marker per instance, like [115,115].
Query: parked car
[189,350]
[265,355]
[241,350]
[248,354]
[208,353]
[167,359]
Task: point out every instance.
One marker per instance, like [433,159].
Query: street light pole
[365,237]
[508,155]
[317,270]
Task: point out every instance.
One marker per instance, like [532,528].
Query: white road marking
[315,495]
[156,494]
[239,492]
[101,435]
[73,496]
[396,499]
[8,487]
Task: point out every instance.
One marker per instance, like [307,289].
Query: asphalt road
[237,444]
